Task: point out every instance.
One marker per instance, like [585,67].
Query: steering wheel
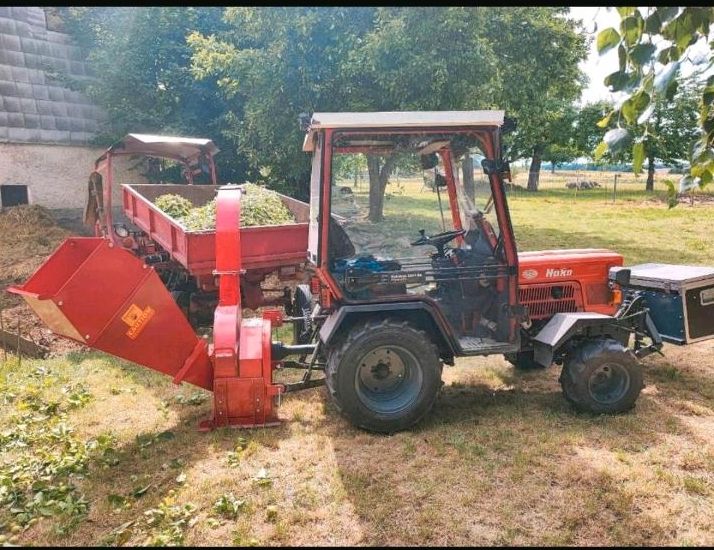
[438,240]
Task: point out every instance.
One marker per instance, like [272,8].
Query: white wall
[56,175]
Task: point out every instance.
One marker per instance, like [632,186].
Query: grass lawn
[113,452]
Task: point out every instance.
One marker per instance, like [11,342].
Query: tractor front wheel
[385,376]
[602,376]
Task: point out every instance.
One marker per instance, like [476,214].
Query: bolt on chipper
[380,306]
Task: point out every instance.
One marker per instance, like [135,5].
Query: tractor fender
[418,313]
[563,327]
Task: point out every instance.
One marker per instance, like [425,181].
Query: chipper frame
[101,295]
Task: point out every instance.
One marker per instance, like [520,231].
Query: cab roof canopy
[177,148]
[399,119]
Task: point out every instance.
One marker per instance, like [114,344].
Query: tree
[142,63]
[276,63]
[538,51]
[672,130]
[586,133]
[652,44]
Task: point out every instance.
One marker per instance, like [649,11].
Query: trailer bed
[268,246]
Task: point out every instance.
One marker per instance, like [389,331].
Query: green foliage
[279,62]
[259,206]
[175,206]
[140,64]
[653,43]
[42,456]
[228,506]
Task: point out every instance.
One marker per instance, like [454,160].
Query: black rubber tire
[598,362]
[342,374]
[523,360]
[302,307]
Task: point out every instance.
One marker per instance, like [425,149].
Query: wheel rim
[609,383]
[388,379]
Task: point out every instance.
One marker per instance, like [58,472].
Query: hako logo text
[559,272]
[137,318]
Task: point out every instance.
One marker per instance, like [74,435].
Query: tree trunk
[378,178]
[534,171]
[552,168]
[650,174]
[467,168]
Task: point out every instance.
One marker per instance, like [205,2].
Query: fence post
[614,188]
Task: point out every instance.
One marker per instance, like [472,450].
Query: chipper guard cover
[103,296]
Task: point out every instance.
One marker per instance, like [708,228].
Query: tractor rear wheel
[602,376]
[523,360]
[385,376]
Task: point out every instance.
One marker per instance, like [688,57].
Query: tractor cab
[412,239]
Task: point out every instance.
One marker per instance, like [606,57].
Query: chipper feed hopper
[385,308]
[102,295]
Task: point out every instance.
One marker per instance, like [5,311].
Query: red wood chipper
[139,294]
[390,301]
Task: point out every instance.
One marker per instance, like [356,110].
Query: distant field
[501,460]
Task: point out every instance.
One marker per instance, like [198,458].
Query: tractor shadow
[494,464]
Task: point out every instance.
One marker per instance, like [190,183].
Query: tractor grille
[546,300]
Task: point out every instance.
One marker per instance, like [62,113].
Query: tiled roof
[34,106]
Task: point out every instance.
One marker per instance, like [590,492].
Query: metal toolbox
[680,299]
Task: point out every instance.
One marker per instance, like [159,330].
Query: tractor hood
[545,266]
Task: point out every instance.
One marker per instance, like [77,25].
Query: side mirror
[620,275]
[429,161]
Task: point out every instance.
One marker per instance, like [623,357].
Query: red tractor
[388,303]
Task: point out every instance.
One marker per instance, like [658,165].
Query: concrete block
[10,42]
[59,109]
[37,76]
[15,59]
[6,72]
[56,93]
[8,88]
[15,120]
[7,26]
[32,121]
[48,123]
[62,123]
[45,107]
[40,92]
[19,74]
[79,137]
[12,104]
[24,90]
[22,28]
[29,106]
[74,110]
[21,135]
[76,125]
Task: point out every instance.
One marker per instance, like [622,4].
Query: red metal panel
[264,246]
[91,290]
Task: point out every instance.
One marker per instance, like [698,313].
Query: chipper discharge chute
[102,295]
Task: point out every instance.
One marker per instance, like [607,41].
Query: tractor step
[472,345]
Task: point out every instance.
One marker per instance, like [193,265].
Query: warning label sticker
[137,318]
